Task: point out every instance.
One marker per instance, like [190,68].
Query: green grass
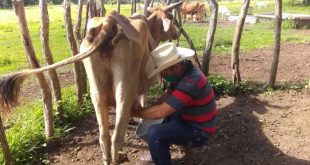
[256,36]
[26,127]
[234,7]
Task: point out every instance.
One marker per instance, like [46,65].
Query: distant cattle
[193,11]
[116,55]
[260,4]
[224,11]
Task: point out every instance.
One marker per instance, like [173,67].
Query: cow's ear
[166,24]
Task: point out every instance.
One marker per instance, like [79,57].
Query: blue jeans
[172,131]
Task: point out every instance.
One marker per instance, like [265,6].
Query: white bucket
[144,126]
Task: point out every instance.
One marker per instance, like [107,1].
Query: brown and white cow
[195,11]
[116,55]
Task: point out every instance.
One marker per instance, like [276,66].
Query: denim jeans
[172,131]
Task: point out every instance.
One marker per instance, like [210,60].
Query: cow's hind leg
[126,78]
[102,115]
[123,107]
[98,82]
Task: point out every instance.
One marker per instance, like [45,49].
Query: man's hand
[153,112]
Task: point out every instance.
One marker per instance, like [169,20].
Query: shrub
[288,24]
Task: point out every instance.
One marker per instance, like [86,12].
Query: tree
[5,146]
[236,43]
[48,55]
[78,40]
[77,27]
[45,89]
[133,6]
[210,37]
[177,19]
[74,50]
[146,5]
[118,9]
[306,2]
[277,44]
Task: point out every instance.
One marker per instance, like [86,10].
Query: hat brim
[184,53]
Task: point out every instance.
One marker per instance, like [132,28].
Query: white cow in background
[260,4]
[224,11]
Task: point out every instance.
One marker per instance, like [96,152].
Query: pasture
[260,127]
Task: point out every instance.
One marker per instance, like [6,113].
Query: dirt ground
[260,129]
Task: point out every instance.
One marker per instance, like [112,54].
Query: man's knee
[152,132]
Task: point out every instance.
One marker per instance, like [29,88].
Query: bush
[288,24]
[221,86]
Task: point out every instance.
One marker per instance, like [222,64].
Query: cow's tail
[9,89]
[10,84]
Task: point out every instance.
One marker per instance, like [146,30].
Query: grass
[288,7]
[25,129]
[250,39]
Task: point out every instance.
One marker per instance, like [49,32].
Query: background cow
[193,11]
[116,55]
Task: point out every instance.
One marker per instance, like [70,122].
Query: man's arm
[154,112]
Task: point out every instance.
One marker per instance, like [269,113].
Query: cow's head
[161,23]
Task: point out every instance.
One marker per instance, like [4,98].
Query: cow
[189,9]
[224,11]
[116,55]
[200,15]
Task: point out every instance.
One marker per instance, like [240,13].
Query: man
[189,109]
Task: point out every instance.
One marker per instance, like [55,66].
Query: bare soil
[259,129]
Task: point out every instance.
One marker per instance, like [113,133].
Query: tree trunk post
[277,43]
[78,40]
[118,9]
[48,56]
[146,5]
[5,146]
[77,27]
[86,20]
[189,41]
[236,43]
[103,10]
[133,6]
[210,37]
[92,8]
[45,89]
[74,50]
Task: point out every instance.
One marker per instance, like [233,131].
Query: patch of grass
[256,36]
[288,24]
[297,86]
[25,129]
[221,86]
[288,7]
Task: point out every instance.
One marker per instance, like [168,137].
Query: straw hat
[167,55]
